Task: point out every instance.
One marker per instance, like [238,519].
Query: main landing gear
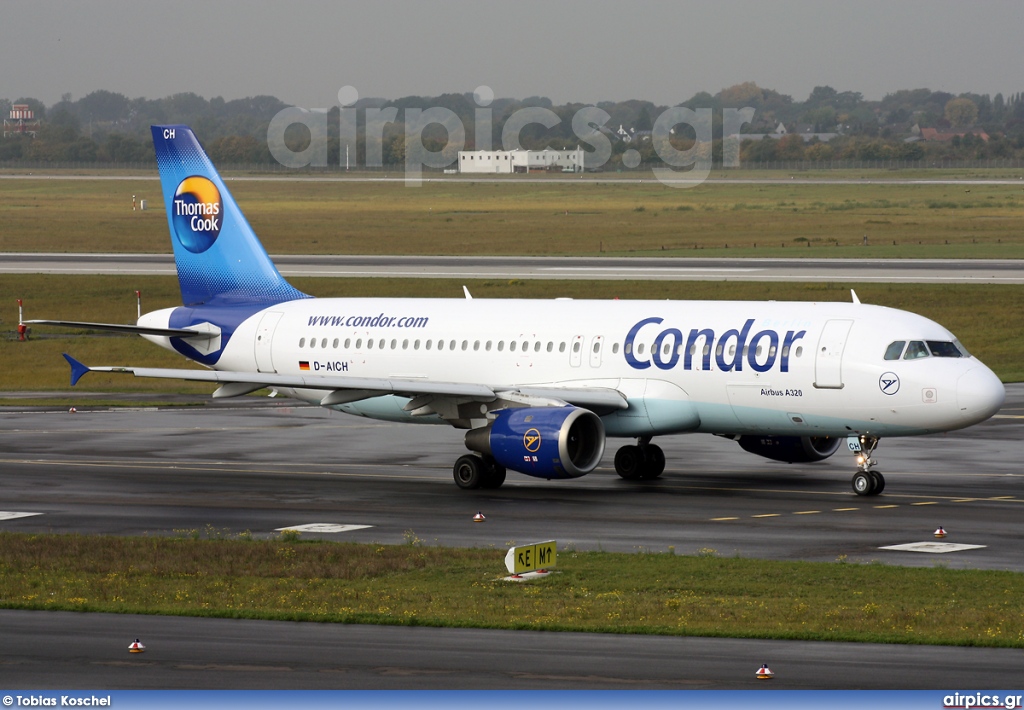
[867,482]
[472,471]
[643,462]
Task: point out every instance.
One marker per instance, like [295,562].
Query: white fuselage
[786,368]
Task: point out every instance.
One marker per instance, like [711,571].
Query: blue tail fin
[219,258]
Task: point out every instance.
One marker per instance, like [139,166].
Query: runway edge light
[136,647]
[479,518]
[940,532]
[764,672]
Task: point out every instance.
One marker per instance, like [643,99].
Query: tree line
[107,127]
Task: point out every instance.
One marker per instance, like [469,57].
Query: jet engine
[791,449]
[546,442]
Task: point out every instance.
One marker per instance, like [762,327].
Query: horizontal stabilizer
[136,329]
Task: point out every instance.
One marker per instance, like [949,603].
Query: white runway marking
[324,528]
[11,515]
[934,547]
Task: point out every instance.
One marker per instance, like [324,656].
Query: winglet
[77,369]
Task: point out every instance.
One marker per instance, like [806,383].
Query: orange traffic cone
[764,672]
[136,647]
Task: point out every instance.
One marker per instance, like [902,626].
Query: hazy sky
[303,51]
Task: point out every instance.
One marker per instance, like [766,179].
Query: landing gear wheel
[494,474]
[863,483]
[469,471]
[629,462]
[879,482]
[654,462]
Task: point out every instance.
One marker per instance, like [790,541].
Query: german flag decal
[303,364]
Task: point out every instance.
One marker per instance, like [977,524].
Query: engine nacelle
[546,442]
[791,449]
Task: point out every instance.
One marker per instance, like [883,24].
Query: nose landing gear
[867,482]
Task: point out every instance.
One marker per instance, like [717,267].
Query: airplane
[540,385]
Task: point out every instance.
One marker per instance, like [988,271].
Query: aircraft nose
[979,394]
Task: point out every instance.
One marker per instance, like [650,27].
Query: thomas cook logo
[197,213]
[531,440]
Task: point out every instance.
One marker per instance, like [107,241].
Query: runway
[269,464]
[982,271]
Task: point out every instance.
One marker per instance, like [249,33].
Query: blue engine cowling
[791,449]
[546,442]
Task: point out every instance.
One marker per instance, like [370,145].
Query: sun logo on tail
[197,213]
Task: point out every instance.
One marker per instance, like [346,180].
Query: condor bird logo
[531,441]
[889,383]
[196,213]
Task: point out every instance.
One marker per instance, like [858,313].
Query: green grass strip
[646,593]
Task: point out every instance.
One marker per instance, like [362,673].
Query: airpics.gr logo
[197,213]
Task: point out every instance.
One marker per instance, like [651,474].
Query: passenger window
[799,350]
[942,348]
[561,347]
[476,345]
[359,344]
[429,342]
[415,345]
[894,350]
[551,346]
[380,343]
[369,344]
[915,350]
[302,342]
[640,349]
[597,347]
[511,347]
[615,349]
[526,346]
[451,345]
[536,347]
[335,344]
[501,345]
[405,344]
[440,345]
[312,343]
[488,346]
[323,343]
[576,346]
[465,345]
[394,344]
[348,343]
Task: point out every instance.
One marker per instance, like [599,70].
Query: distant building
[520,161]
[780,132]
[933,134]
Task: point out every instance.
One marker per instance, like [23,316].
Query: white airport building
[521,161]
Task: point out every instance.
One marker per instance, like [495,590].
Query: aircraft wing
[136,329]
[341,389]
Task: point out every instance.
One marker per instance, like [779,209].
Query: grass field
[987,319]
[591,591]
[468,218]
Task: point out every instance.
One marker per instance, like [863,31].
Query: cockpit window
[944,348]
[894,350]
[915,350]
